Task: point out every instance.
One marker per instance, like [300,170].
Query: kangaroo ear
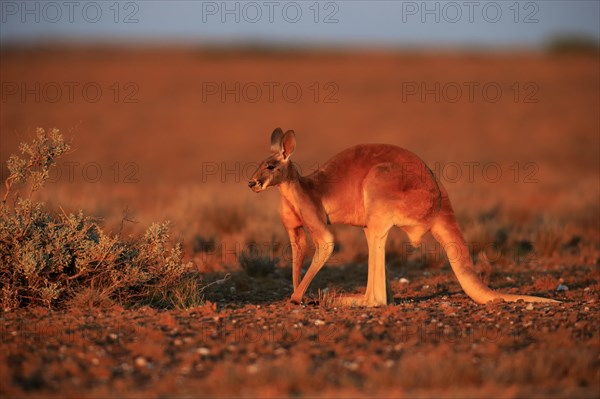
[276,140]
[288,143]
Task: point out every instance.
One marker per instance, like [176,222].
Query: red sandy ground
[434,342]
[248,340]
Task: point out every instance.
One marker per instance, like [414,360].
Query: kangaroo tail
[446,231]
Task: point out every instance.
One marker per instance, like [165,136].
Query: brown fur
[376,187]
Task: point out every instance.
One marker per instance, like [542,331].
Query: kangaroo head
[277,167]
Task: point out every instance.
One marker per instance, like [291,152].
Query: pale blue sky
[364,23]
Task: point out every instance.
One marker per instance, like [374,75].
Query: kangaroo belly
[348,178]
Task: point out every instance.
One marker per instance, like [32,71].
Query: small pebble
[351,365]
[404,281]
[319,322]
[203,351]
[529,307]
[562,287]
[280,351]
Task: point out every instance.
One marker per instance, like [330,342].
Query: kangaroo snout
[255,185]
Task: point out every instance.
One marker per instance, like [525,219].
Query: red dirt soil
[251,342]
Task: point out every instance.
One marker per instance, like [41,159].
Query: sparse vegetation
[47,258]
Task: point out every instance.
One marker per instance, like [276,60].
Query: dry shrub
[203,245]
[47,258]
[256,265]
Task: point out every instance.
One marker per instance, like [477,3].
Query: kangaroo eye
[271,167]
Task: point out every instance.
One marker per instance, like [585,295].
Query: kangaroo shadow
[237,287]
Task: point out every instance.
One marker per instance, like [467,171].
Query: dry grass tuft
[89,298]
[328,298]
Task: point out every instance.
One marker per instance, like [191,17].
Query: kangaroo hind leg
[378,292]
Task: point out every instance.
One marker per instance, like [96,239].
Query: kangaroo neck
[296,188]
